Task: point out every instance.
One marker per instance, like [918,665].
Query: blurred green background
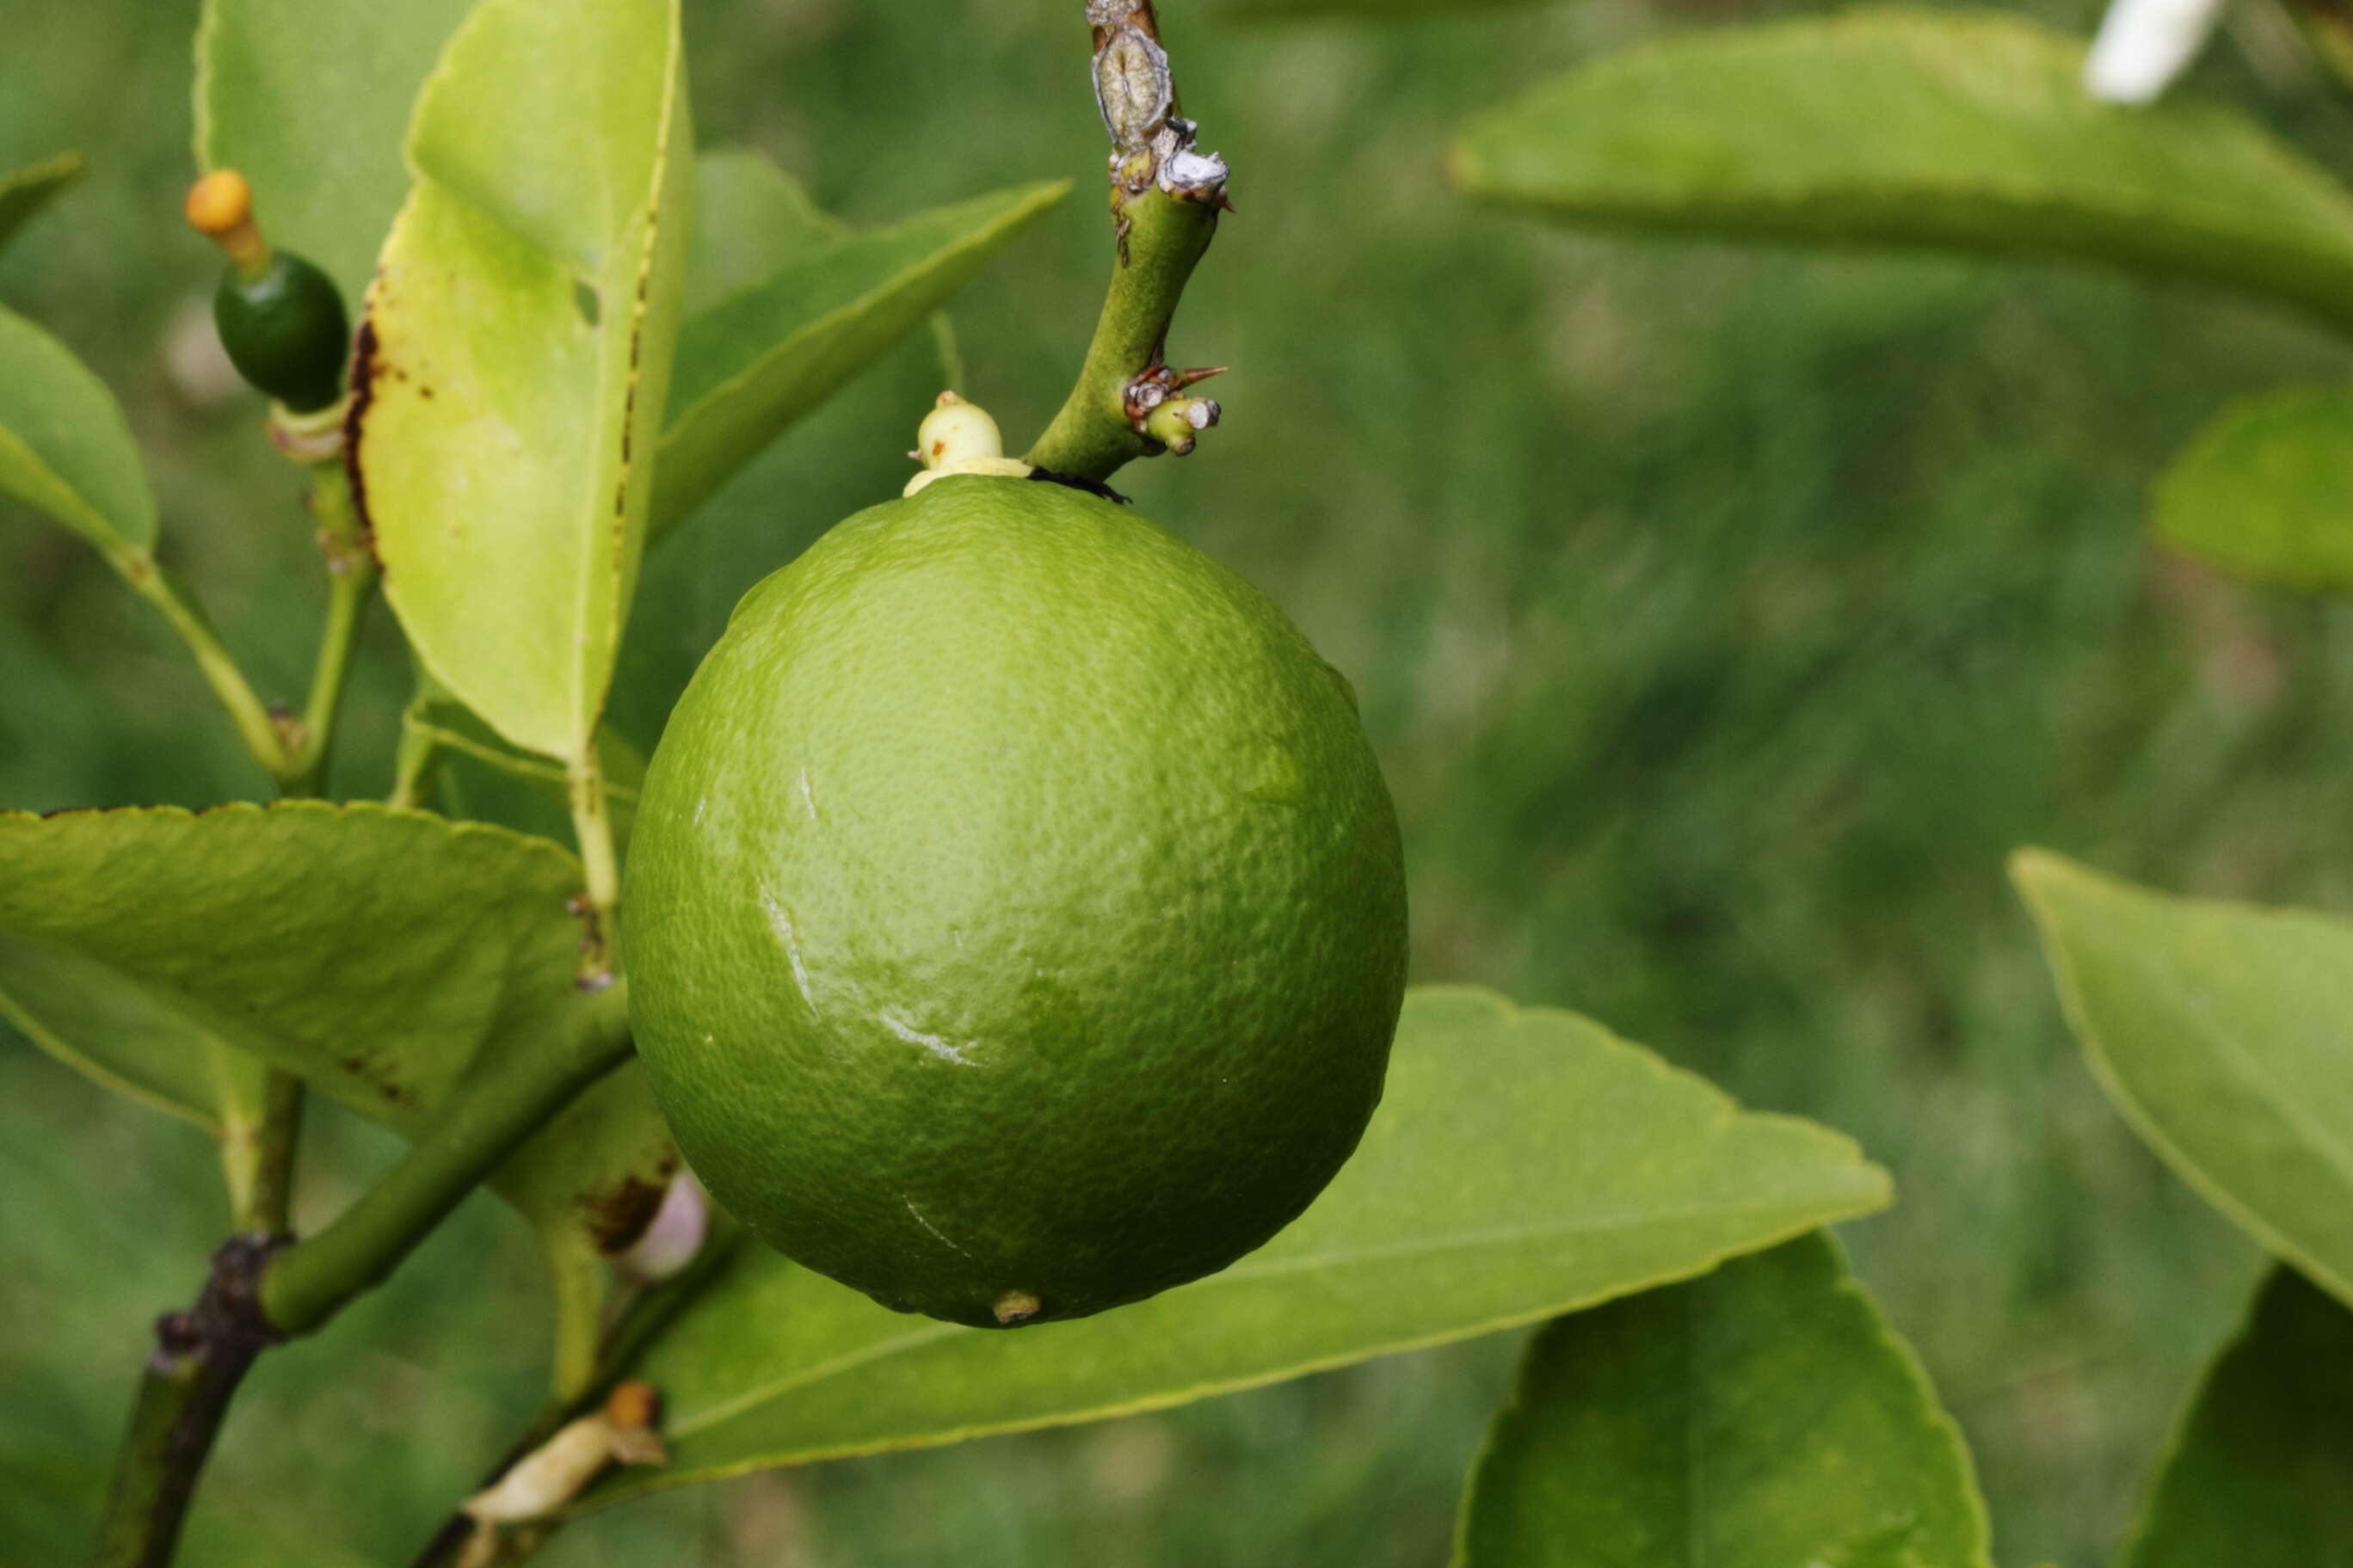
[1723,618]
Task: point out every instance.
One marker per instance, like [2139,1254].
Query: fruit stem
[592,826]
[1164,200]
[351,582]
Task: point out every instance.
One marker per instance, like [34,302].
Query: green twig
[255,725]
[257,1159]
[490,1114]
[1164,199]
[291,749]
[351,582]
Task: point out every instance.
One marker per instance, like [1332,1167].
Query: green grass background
[1723,618]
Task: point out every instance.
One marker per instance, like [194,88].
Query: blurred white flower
[2144,45]
[674,1236]
[198,366]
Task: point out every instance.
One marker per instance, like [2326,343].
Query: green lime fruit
[1014,919]
[285,331]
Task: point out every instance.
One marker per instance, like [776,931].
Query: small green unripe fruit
[1014,916]
[285,331]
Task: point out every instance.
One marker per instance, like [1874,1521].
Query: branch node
[1165,198]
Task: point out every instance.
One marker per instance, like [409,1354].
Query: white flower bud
[959,437]
[2143,45]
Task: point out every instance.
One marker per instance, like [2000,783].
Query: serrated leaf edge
[455,827]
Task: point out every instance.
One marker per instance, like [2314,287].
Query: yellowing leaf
[516,352]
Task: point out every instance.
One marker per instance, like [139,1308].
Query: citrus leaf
[65,449]
[1762,1416]
[1523,1163]
[381,955]
[755,361]
[309,99]
[2224,1033]
[117,1034]
[24,192]
[751,221]
[1914,128]
[2256,1476]
[2266,491]
[516,354]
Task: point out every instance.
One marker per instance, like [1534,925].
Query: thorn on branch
[1156,413]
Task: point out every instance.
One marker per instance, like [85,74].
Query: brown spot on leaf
[365,353]
[377,1077]
[619,1211]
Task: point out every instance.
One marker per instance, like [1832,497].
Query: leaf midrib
[2252,1072]
[687,1425]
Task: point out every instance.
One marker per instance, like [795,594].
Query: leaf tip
[2034,870]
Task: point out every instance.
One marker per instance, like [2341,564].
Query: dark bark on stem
[200,1357]
[266,1289]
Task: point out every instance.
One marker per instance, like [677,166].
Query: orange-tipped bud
[220,207]
[633,1404]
